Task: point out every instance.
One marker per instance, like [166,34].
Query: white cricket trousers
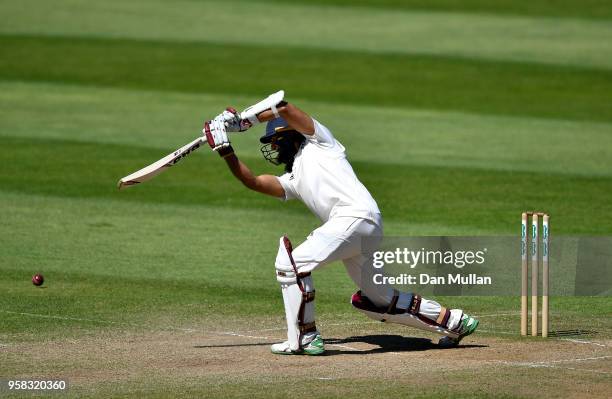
[354,241]
[351,240]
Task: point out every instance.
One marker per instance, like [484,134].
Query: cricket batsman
[317,173]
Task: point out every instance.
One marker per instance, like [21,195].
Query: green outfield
[457,116]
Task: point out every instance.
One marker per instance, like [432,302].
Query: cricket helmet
[280,143]
[273,129]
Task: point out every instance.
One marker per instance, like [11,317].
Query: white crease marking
[554,364]
[241,335]
[584,359]
[576,369]
[581,341]
[497,314]
[48,316]
[346,347]
[322,325]
[496,332]
[267,329]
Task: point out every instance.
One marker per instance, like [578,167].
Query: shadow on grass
[390,343]
[384,343]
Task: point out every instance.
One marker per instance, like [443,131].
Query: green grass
[500,37]
[404,137]
[423,82]
[220,387]
[563,8]
[457,116]
[465,196]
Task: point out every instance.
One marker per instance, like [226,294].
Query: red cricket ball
[38,279]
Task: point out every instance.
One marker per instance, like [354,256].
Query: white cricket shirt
[325,182]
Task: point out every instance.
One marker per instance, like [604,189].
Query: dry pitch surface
[363,358]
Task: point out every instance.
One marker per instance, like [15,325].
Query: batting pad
[364,305]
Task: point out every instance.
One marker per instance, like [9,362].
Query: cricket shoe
[312,348]
[466,327]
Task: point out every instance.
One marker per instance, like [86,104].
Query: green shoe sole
[308,352]
[448,342]
[470,329]
[315,348]
[314,351]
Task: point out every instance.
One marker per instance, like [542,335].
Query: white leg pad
[431,310]
[408,319]
[292,298]
[298,297]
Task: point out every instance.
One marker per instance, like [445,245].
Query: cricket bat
[149,172]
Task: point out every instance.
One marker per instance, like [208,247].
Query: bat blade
[149,172]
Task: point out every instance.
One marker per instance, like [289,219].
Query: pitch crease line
[580,341]
[346,347]
[552,363]
[48,316]
[232,334]
[584,359]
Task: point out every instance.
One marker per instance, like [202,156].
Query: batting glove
[233,122]
[216,136]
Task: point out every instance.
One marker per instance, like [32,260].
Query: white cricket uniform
[325,182]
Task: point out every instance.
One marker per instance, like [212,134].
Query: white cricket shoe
[466,327]
[315,347]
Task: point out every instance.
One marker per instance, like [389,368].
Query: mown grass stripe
[459,197]
[550,40]
[333,76]
[599,9]
[164,120]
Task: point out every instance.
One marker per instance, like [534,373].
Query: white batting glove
[216,134]
[233,122]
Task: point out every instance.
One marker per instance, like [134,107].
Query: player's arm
[216,135]
[265,184]
[267,109]
[295,117]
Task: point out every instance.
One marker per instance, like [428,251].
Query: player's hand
[216,134]
[232,121]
